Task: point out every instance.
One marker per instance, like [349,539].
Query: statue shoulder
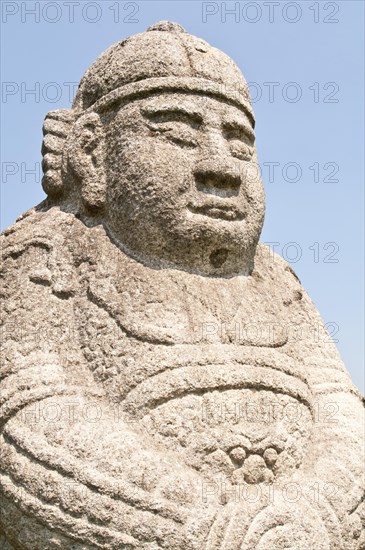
[309,339]
[41,252]
[273,264]
[285,285]
[39,284]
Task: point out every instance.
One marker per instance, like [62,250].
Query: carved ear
[86,156]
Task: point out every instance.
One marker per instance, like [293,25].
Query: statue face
[183,188]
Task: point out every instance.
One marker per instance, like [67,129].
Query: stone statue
[167,382]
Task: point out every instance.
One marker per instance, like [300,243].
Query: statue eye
[239,132]
[160,116]
[240,150]
[241,140]
[175,132]
[181,139]
[176,126]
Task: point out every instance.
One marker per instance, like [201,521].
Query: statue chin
[207,247]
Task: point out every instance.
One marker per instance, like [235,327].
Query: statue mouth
[227,212]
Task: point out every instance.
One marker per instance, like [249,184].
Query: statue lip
[228,212]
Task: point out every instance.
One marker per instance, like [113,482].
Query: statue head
[159,146]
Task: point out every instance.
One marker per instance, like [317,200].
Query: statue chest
[178,308]
[201,370]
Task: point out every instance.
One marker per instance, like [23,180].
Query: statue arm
[334,464]
[70,463]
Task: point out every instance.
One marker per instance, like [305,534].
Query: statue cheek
[253,187]
[151,156]
[252,178]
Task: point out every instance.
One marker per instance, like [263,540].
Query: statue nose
[217,178]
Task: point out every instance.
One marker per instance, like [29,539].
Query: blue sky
[304,62]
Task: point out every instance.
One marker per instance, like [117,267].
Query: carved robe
[218,406]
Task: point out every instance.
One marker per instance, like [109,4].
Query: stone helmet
[163,58]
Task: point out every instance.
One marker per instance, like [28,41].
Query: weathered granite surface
[167,382]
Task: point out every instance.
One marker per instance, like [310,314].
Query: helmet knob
[168,26]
